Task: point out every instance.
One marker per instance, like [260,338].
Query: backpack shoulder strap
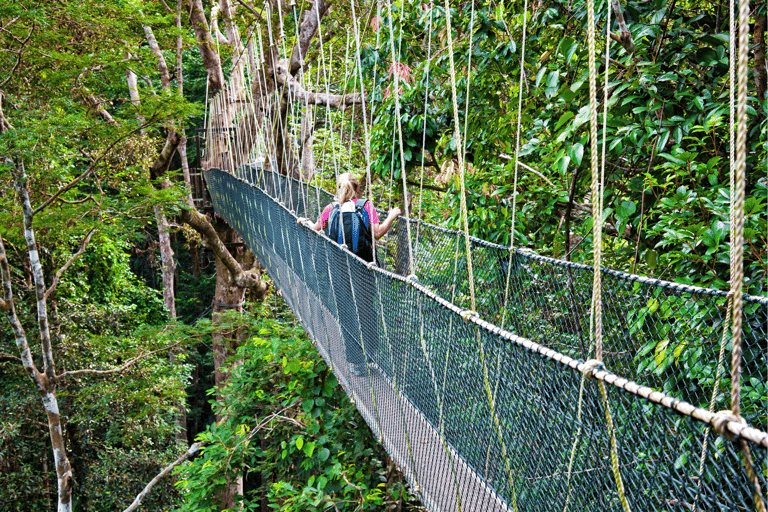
[360,207]
[333,218]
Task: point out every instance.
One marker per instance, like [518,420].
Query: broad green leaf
[581,118]
[576,153]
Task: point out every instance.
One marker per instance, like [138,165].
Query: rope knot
[589,365]
[467,314]
[722,419]
[371,264]
[412,278]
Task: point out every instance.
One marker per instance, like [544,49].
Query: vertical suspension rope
[424,129]
[737,276]
[398,122]
[486,381]
[517,164]
[596,314]
[459,146]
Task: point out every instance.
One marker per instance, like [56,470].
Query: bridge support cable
[444,438]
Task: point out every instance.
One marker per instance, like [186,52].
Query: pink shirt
[327,211]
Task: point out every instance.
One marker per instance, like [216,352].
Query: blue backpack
[356,232]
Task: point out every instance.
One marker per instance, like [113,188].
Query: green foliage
[286,419]
[667,128]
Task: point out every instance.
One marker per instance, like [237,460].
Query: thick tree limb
[315,98]
[63,269]
[208,53]
[22,187]
[191,452]
[253,11]
[18,329]
[4,124]
[162,66]
[240,277]
[426,186]
[625,37]
[163,160]
[307,31]
[98,106]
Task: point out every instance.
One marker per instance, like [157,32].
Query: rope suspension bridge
[499,379]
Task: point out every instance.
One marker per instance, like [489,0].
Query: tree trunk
[307,140]
[168,264]
[227,296]
[761,74]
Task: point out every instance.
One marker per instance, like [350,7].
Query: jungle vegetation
[112,362]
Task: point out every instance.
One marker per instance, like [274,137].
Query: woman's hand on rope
[308,223]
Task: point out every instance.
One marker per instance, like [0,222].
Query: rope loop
[722,419]
[468,313]
[589,366]
[371,264]
[412,278]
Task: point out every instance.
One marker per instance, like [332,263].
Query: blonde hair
[347,187]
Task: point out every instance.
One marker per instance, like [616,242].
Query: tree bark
[208,53]
[761,73]
[309,26]
[625,36]
[44,381]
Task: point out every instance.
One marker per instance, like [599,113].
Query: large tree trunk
[44,381]
[168,263]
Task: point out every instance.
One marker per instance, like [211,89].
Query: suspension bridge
[486,381]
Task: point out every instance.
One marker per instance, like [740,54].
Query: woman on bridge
[352,221]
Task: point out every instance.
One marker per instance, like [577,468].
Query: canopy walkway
[481,383]
[481,417]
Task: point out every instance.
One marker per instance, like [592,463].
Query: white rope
[398,122]
[424,131]
[517,165]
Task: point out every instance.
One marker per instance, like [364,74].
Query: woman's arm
[379,230]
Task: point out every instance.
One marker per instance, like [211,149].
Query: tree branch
[118,369]
[315,98]
[18,329]
[248,6]
[242,278]
[89,170]
[22,188]
[309,26]
[207,47]
[185,456]
[424,185]
[528,167]
[63,269]
[625,36]
[9,357]
[4,124]
[162,66]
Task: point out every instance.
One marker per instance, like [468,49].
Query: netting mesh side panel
[475,420]
[660,334]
